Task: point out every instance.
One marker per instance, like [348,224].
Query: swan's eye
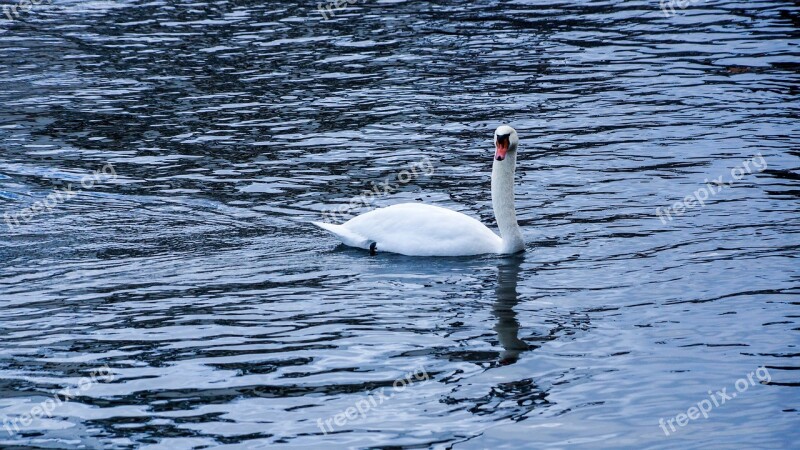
[503,139]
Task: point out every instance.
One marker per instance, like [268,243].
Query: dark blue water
[160,163]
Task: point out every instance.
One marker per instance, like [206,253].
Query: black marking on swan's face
[503,138]
[501,142]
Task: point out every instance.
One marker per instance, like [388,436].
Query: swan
[418,229]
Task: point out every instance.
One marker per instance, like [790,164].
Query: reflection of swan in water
[507,325]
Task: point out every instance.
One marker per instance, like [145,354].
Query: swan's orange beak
[501,147]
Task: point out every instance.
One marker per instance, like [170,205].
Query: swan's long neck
[503,203]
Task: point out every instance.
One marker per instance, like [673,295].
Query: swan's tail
[346,236]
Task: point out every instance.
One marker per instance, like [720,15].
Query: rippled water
[189,270]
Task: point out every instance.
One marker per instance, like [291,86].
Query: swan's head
[505,141]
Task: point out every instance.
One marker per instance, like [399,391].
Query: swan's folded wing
[418,229]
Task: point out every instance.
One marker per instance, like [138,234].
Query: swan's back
[417,229]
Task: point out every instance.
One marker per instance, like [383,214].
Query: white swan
[417,229]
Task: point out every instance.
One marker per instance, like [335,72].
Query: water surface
[226,320]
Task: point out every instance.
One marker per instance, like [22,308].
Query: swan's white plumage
[417,229]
